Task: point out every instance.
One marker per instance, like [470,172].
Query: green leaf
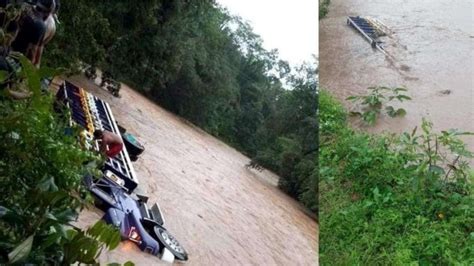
[71,234]
[426,126]
[436,169]
[400,89]
[353,113]
[368,203]
[400,112]
[51,239]
[64,231]
[95,230]
[67,215]
[115,240]
[129,263]
[376,192]
[401,98]
[352,98]
[47,184]
[31,74]
[370,117]
[390,111]
[463,133]
[21,251]
[50,216]
[3,76]
[405,137]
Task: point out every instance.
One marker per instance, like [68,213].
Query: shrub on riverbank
[393,199]
[41,171]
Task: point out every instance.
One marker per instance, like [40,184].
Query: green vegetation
[207,66]
[41,171]
[372,103]
[393,199]
[287,141]
[323,8]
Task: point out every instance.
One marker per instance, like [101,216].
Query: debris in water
[404,68]
[371,29]
[380,28]
[445,92]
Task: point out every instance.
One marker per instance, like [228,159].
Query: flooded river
[432,49]
[222,213]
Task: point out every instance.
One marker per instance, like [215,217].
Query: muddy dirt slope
[222,213]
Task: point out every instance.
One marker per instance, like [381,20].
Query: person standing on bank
[33,28]
[50,25]
[111,144]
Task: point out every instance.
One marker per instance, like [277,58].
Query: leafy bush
[287,142]
[41,170]
[372,103]
[332,116]
[394,199]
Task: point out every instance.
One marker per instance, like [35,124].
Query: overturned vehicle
[132,216]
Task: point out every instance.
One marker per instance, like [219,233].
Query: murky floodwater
[222,213]
[432,44]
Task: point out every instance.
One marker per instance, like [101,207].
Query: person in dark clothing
[30,39]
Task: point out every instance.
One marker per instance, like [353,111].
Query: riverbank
[390,199]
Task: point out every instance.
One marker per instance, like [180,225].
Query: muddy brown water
[221,212]
[432,54]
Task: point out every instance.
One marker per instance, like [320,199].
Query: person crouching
[110,144]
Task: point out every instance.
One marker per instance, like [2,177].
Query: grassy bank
[393,199]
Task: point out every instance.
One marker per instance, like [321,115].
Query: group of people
[27,33]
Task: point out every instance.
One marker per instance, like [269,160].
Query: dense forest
[202,63]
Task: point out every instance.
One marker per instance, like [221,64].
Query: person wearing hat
[30,39]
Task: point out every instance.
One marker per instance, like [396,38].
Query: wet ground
[221,212]
[431,46]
